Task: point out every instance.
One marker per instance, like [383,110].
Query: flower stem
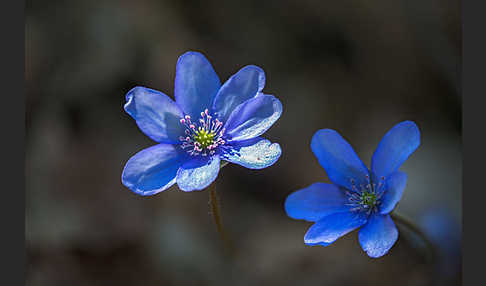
[216,213]
[432,252]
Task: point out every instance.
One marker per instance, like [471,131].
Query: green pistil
[204,138]
[368,198]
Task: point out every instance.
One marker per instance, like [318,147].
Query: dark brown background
[355,66]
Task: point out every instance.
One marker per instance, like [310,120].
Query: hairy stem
[216,213]
[432,252]
[215,210]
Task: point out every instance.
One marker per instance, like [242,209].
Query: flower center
[368,199]
[365,197]
[202,137]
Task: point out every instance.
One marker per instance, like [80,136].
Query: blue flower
[357,197]
[208,123]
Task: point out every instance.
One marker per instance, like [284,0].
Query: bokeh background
[356,66]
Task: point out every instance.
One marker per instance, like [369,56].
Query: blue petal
[378,235]
[155,114]
[329,228]
[395,147]
[154,169]
[245,84]
[257,153]
[395,185]
[315,202]
[198,173]
[253,117]
[338,158]
[196,83]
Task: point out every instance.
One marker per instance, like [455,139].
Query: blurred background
[355,66]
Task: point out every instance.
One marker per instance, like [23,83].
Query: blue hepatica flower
[208,123]
[357,197]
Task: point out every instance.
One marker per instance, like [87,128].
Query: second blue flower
[358,197]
